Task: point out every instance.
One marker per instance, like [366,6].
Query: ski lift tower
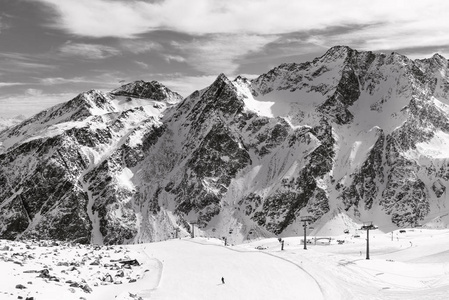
[368,226]
[305,219]
[193,228]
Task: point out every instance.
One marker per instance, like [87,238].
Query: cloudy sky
[51,50]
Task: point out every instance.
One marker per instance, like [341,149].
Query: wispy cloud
[89,51]
[61,80]
[30,102]
[33,92]
[22,63]
[140,46]
[177,58]
[104,81]
[4,84]
[99,18]
[3,22]
[142,64]
[220,53]
[225,31]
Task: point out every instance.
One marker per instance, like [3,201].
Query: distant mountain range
[9,122]
[351,135]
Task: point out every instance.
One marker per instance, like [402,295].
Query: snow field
[247,274]
[402,265]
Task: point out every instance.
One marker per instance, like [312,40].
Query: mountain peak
[222,78]
[147,90]
[438,56]
[337,52]
[340,48]
[440,60]
[437,61]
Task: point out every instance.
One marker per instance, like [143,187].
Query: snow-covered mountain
[353,136]
[65,172]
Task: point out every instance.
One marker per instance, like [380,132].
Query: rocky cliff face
[353,133]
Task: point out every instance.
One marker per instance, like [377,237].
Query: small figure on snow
[222,280]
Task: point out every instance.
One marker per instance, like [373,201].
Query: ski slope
[193,270]
[403,265]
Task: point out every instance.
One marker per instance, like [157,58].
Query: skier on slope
[222,280]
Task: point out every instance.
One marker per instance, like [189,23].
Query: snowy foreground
[410,265]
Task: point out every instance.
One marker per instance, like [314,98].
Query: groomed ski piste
[410,263]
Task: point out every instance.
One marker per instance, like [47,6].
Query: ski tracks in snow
[323,291]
